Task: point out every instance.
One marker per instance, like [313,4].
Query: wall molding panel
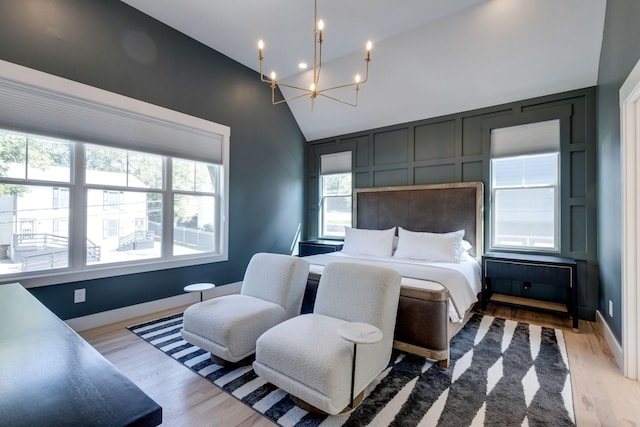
[455,148]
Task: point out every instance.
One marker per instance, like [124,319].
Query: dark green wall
[109,45]
[455,148]
[620,53]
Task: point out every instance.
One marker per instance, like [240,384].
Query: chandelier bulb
[273,76]
[321,25]
[369,45]
[260,44]
[357,78]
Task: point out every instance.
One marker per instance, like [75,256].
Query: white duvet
[461,280]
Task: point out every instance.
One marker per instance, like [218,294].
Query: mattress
[462,280]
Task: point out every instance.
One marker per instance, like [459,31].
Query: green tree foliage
[12,150]
[105,159]
[42,153]
[143,170]
[337,184]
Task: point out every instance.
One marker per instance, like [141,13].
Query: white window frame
[162,128]
[528,151]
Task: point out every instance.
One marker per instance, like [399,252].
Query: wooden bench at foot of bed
[422,324]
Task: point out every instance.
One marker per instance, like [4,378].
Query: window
[195,206]
[122,203]
[60,198]
[32,169]
[109,229]
[525,187]
[91,189]
[111,200]
[335,194]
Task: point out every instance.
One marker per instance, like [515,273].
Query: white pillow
[464,247]
[436,247]
[378,243]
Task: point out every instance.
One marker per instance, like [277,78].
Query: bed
[434,302]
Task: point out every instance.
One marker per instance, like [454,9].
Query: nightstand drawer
[532,272]
[315,247]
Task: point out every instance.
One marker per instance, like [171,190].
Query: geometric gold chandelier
[314,89]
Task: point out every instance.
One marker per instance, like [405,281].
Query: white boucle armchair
[306,357]
[228,326]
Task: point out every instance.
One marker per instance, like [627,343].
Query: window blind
[532,138]
[36,102]
[335,163]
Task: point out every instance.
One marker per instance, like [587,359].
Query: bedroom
[271,174]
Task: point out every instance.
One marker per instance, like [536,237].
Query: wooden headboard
[437,208]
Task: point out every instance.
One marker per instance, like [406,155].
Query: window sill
[56,277]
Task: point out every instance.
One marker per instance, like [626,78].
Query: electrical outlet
[79,295]
[610,308]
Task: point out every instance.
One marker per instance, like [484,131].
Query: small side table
[199,287]
[358,333]
[531,270]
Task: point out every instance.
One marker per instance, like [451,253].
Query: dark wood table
[529,269]
[50,376]
[319,246]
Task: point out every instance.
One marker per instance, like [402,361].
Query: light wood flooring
[602,396]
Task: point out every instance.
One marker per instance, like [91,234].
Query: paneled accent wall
[455,148]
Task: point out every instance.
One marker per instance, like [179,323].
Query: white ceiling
[429,57]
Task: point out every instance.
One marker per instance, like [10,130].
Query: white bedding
[461,279]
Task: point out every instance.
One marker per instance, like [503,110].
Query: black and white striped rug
[502,373]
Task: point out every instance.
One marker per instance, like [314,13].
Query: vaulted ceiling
[429,57]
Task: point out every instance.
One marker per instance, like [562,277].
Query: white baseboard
[112,316]
[614,345]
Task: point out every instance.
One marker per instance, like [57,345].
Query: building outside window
[111,200]
[525,199]
[60,197]
[335,194]
[109,228]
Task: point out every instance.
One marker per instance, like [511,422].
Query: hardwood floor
[186,398]
[602,396]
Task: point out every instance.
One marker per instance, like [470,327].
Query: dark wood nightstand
[315,247]
[530,270]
